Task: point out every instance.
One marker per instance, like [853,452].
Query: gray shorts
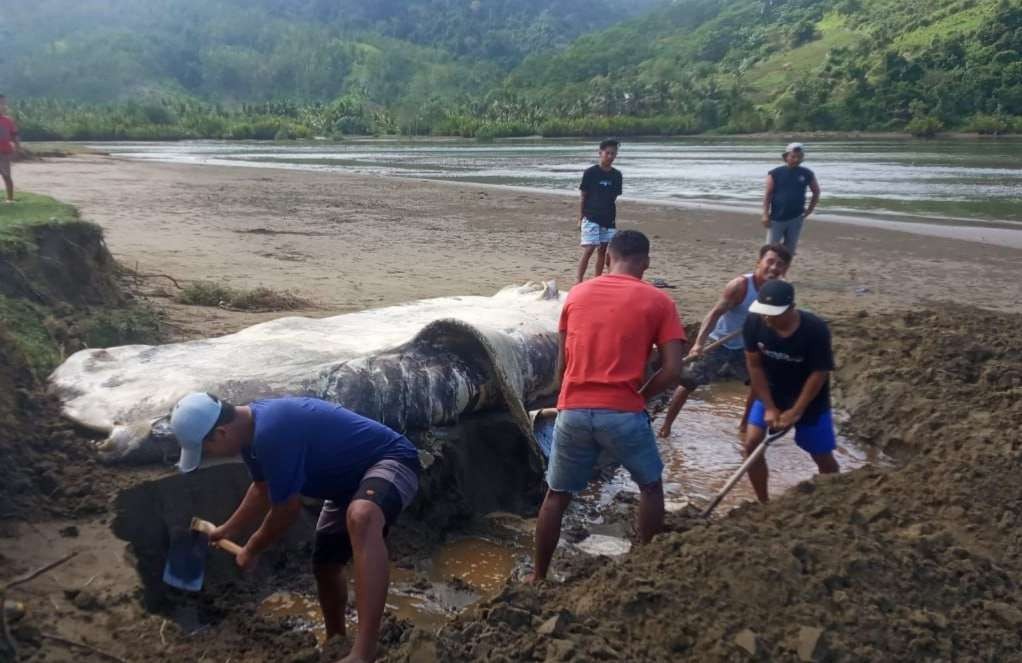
[718,364]
[785,233]
[5,165]
[389,484]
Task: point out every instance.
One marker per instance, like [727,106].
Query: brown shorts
[389,484]
[5,165]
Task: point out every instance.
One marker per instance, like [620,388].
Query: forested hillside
[753,65]
[95,69]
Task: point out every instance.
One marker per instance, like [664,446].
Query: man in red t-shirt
[9,145]
[608,328]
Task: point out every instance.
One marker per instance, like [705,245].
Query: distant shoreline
[77,147]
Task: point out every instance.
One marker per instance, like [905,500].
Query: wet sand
[352,242]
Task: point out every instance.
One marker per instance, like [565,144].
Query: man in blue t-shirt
[784,203]
[366,472]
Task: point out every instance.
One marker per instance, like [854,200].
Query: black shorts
[389,484]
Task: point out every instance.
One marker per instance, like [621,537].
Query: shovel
[186,559]
[753,457]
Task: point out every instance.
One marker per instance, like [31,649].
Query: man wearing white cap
[789,358]
[365,472]
[784,203]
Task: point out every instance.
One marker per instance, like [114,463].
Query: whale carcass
[413,366]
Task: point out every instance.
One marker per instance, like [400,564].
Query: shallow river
[968,182]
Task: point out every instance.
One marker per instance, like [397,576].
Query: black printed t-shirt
[602,187]
[790,361]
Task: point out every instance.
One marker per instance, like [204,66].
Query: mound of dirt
[916,562]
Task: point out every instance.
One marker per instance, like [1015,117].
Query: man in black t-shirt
[601,185]
[784,202]
[789,359]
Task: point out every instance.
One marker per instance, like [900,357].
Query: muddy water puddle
[701,453]
[461,572]
[704,449]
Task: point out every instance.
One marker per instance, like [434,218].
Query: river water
[974,185]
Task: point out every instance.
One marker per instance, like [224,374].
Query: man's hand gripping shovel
[186,559]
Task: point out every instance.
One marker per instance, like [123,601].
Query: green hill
[753,65]
[291,68]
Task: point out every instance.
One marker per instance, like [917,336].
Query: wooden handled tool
[186,559]
[206,527]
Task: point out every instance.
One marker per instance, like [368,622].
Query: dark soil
[917,562]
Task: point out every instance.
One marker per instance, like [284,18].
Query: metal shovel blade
[186,560]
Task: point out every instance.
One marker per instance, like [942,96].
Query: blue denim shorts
[593,233]
[815,437]
[580,436]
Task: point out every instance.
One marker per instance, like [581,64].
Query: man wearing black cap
[789,359]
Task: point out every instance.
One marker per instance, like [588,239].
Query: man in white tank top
[727,360]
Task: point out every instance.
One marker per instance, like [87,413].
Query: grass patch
[778,71]
[30,210]
[208,293]
[121,326]
[964,21]
[26,325]
[43,336]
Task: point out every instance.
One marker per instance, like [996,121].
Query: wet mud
[915,560]
[913,557]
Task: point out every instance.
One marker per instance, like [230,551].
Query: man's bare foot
[352,658]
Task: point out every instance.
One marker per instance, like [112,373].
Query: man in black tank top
[784,203]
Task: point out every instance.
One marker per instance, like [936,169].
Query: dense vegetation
[117,69]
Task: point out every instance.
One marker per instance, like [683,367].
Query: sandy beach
[348,243]
[912,557]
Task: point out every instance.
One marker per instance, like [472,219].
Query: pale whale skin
[413,367]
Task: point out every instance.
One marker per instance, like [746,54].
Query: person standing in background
[9,146]
[601,185]
[784,202]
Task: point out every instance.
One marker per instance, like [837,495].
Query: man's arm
[814,186]
[582,207]
[768,196]
[276,522]
[760,386]
[809,391]
[670,370]
[253,507]
[729,299]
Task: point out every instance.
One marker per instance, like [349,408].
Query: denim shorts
[813,436]
[581,435]
[593,233]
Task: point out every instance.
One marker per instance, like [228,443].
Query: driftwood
[8,640]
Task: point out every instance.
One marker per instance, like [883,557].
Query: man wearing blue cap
[784,203]
[789,358]
[366,472]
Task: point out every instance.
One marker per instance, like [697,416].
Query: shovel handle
[753,457]
[206,527]
[688,360]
